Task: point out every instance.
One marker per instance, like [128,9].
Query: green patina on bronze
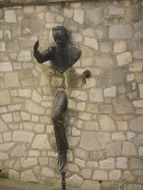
[72,78]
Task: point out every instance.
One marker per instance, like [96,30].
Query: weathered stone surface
[13,174]
[119,46]
[120,31]
[114,149]
[18,151]
[10,16]
[91,140]
[48,172]
[128,176]
[74,181]
[94,16]
[3,156]
[22,136]
[24,56]
[100,175]
[105,46]
[118,136]
[34,108]
[79,95]
[91,43]
[91,125]
[124,58]
[115,175]
[136,124]
[4,97]
[26,163]
[90,185]
[28,176]
[6,146]
[122,162]
[79,16]
[7,117]
[110,92]
[122,105]
[116,11]
[86,173]
[136,163]
[128,149]
[41,142]
[104,61]
[96,95]
[107,164]
[138,55]
[107,123]
[3,126]
[11,80]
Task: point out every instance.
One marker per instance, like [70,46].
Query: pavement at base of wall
[6,184]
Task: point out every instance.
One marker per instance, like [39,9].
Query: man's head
[60,35]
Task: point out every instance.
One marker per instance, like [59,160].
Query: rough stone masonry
[105,116]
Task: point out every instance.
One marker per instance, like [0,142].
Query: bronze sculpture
[63,56]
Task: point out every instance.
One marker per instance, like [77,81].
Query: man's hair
[61,28]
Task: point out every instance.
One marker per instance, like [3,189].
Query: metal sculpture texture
[63,55]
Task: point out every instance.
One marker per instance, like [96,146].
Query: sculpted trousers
[58,117]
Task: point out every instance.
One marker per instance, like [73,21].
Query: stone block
[5,66]
[3,126]
[79,162]
[91,42]
[41,142]
[2,46]
[13,174]
[90,185]
[22,136]
[94,16]
[106,123]
[47,172]
[136,163]
[36,96]
[128,176]
[39,128]
[10,16]
[18,151]
[4,97]
[76,37]
[86,173]
[68,13]
[122,162]
[74,181]
[114,149]
[80,95]
[28,176]
[104,61]
[141,151]
[3,156]
[11,80]
[138,55]
[128,149]
[122,105]
[24,56]
[29,162]
[119,46]
[124,59]
[7,117]
[118,136]
[91,125]
[93,108]
[107,164]
[6,146]
[91,140]
[105,46]
[79,16]
[116,11]
[122,125]
[100,175]
[34,108]
[115,175]
[96,95]
[110,92]
[120,31]
[136,124]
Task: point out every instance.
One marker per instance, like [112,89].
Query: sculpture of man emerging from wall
[63,56]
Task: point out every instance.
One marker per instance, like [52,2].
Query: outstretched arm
[44,56]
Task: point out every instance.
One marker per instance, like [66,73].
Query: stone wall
[105,116]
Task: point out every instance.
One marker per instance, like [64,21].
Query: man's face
[60,39]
